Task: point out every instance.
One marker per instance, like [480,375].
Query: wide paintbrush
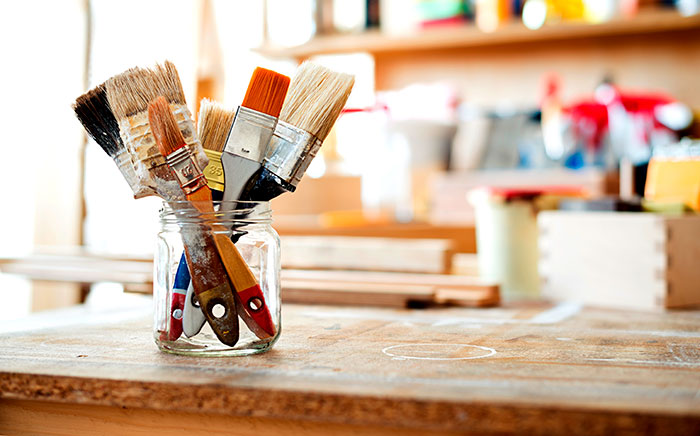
[129,94]
[248,293]
[94,113]
[252,129]
[314,102]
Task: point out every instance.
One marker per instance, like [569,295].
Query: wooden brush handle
[255,311]
[252,305]
[211,284]
[209,280]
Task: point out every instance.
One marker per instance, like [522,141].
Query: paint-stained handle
[256,312]
[211,285]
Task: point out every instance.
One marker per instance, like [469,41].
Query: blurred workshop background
[528,98]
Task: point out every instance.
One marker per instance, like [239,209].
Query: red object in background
[509,194]
[590,122]
[590,118]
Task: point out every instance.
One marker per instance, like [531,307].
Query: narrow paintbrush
[94,113]
[252,129]
[213,126]
[209,280]
[179,158]
[129,94]
[314,102]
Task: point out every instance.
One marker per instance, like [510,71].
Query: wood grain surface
[527,368]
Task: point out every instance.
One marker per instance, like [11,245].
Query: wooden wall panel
[666,62]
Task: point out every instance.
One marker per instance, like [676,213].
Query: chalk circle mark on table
[438,351]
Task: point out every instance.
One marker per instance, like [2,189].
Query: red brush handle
[177,307]
[254,303]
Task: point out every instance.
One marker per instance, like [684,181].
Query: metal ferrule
[186,170]
[250,134]
[290,152]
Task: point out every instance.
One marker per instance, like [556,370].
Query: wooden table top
[530,368]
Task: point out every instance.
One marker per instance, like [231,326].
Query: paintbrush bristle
[316,97]
[214,124]
[164,126]
[131,91]
[266,92]
[94,113]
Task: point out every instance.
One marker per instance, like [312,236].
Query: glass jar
[216,281]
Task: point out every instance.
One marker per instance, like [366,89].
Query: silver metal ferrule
[290,152]
[250,134]
[186,170]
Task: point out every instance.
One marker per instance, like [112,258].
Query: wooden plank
[369,254]
[518,369]
[385,294]
[445,281]
[469,36]
[462,235]
[55,419]
[86,268]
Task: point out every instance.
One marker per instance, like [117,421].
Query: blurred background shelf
[463,36]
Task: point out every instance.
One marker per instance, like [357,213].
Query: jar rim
[231,212]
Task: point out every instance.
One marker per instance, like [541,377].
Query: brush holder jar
[221,298]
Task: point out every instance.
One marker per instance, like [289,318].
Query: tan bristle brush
[129,94]
[94,113]
[316,97]
[252,129]
[179,158]
[213,127]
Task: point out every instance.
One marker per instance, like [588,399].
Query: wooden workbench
[533,369]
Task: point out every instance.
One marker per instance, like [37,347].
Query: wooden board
[527,369]
[368,254]
[462,236]
[470,36]
[386,289]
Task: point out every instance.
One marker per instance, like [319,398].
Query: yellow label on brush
[214,172]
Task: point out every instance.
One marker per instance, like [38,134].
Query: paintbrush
[94,113]
[129,94]
[252,129]
[213,126]
[209,278]
[191,179]
[316,97]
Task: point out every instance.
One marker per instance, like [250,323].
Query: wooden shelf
[655,21]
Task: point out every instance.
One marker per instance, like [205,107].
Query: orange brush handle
[256,313]
[248,290]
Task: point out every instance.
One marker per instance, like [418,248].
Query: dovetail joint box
[622,260]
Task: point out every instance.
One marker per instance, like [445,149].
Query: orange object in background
[674,180]
[491,14]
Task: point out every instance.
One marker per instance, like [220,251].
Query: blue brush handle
[182,276]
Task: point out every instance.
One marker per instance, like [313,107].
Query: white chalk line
[386,351]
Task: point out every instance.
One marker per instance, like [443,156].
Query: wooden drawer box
[623,260]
